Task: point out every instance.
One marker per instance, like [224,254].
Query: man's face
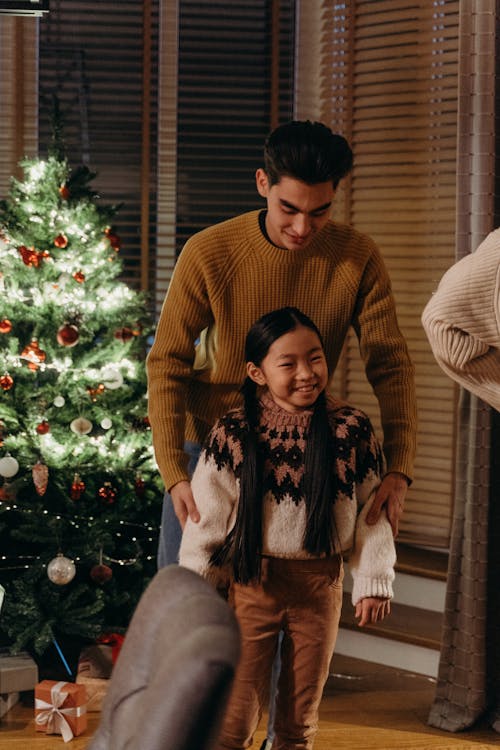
[296,211]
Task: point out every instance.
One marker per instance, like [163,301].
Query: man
[230,274]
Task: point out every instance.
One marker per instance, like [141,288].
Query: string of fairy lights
[76,268]
[76,521]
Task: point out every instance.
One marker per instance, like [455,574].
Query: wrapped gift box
[94,671]
[17,673]
[60,708]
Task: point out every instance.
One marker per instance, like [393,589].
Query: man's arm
[391,494]
[391,375]
[185,312]
[184,503]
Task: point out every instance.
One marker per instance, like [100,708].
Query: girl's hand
[372,609]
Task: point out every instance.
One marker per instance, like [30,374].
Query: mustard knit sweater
[226,277]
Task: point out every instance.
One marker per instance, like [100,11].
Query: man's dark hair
[307,151]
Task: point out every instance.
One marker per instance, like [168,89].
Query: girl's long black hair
[244,542]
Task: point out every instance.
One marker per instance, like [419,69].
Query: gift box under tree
[18,673]
[60,708]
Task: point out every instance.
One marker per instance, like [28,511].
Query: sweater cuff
[365,587]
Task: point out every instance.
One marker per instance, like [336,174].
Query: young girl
[283,486]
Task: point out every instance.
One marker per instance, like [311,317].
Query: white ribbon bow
[54,716]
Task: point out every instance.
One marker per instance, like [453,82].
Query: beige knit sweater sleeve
[462,321]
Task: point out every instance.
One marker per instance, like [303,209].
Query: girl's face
[294,369]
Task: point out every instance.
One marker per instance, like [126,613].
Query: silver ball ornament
[61,570]
[8,466]
[112,378]
[81,426]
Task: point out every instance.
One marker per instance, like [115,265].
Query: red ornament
[115,640]
[64,192]
[107,493]
[6,382]
[7,493]
[61,241]
[140,486]
[113,239]
[77,488]
[40,475]
[67,335]
[31,257]
[95,392]
[124,334]
[101,573]
[43,427]
[79,277]
[5,326]
[33,354]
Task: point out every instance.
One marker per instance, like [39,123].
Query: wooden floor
[365,707]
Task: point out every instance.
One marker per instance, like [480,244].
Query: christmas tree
[80,495]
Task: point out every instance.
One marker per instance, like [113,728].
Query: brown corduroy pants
[302,598]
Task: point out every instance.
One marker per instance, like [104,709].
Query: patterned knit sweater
[358,466]
[226,277]
[462,321]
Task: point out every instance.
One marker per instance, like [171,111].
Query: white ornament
[51,291]
[8,466]
[81,426]
[61,570]
[112,378]
[59,401]
[63,280]
[106,423]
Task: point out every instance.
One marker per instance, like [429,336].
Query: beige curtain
[469,670]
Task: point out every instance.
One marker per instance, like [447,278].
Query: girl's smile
[294,370]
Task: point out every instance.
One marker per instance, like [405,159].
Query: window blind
[388,76]
[92,58]
[234,72]
[18,94]
[224,101]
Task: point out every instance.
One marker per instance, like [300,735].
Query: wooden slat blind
[166,198]
[92,57]
[215,121]
[224,104]
[18,94]
[389,84]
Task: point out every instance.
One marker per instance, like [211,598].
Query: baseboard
[405,656]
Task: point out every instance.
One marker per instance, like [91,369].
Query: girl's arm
[373,558]
[374,554]
[215,489]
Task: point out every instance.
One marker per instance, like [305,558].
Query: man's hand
[391,494]
[372,609]
[184,504]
